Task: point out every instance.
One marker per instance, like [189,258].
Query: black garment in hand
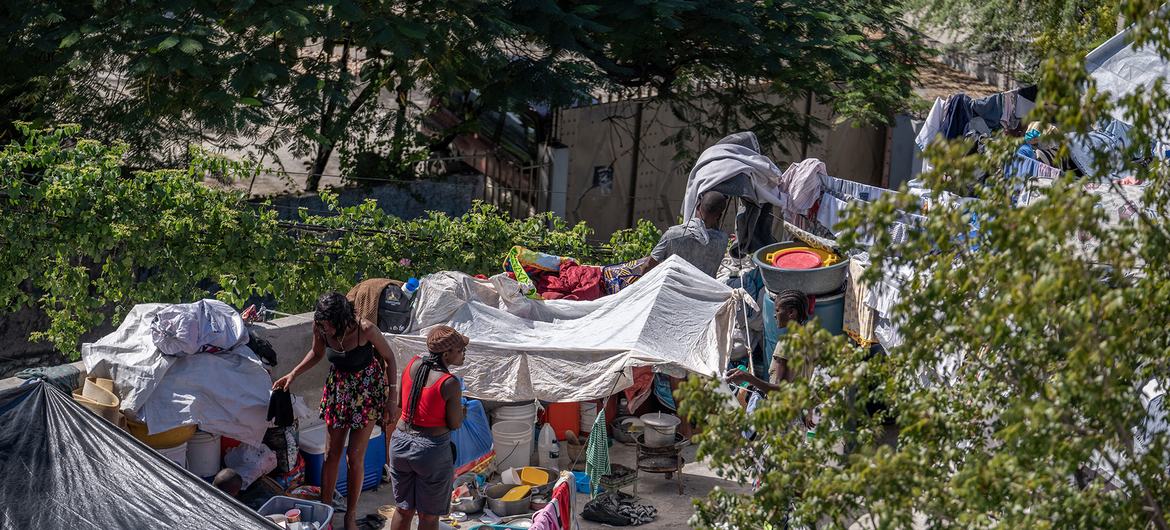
[280,408]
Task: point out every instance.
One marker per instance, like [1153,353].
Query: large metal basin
[824,280]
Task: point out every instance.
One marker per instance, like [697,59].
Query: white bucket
[203,454]
[176,454]
[588,415]
[513,444]
[660,428]
[523,412]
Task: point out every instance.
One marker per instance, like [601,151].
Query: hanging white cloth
[931,126]
[802,182]
[722,162]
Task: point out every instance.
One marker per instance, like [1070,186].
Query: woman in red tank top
[422,459]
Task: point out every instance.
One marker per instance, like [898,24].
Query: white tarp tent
[1120,69]
[676,317]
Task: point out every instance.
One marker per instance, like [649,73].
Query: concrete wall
[602,136]
[407,200]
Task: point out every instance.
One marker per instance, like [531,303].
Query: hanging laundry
[1007,117]
[859,318]
[802,182]
[990,109]
[931,126]
[956,115]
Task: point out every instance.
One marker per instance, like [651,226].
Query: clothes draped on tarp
[555,277]
[206,326]
[63,465]
[675,317]
[224,393]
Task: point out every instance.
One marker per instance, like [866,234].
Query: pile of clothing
[619,509]
[554,277]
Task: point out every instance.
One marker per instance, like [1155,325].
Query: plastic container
[522,412]
[203,454]
[513,443]
[563,417]
[589,411]
[410,287]
[817,281]
[176,454]
[660,429]
[163,440]
[312,445]
[548,451]
[311,512]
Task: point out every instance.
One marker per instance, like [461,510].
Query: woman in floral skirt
[358,394]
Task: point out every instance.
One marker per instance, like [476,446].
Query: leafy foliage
[1016,36]
[1015,399]
[313,77]
[84,239]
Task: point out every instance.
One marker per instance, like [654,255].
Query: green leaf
[168,43]
[69,40]
[413,31]
[251,102]
[191,46]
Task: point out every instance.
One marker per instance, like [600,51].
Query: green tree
[1015,36]
[309,76]
[83,239]
[1014,400]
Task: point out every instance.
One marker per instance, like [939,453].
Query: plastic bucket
[513,443]
[660,429]
[176,454]
[522,412]
[203,454]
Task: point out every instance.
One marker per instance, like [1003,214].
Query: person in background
[422,456]
[791,306]
[699,241]
[358,391]
[1031,140]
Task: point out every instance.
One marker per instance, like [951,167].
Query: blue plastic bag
[473,439]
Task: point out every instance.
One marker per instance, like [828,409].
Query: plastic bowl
[163,440]
[815,282]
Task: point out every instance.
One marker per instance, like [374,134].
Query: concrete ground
[674,510]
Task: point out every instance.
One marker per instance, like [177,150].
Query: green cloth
[597,452]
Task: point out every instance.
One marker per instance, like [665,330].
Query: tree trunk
[325,128]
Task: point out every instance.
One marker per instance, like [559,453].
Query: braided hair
[420,371]
[336,309]
[794,300]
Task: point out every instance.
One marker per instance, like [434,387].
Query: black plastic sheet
[61,466]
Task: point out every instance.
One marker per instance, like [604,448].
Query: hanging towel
[802,182]
[597,453]
[367,295]
[931,126]
[1008,118]
[859,317]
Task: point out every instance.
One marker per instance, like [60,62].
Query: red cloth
[573,282]
[563,496]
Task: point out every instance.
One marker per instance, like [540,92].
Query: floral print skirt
[352,399]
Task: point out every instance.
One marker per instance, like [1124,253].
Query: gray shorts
[422,469]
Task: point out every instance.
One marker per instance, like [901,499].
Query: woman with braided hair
[358,393]
[791,306]
[422,457]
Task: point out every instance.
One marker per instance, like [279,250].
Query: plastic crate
[311,512]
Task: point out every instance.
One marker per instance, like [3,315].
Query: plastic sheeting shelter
[64,467]
[1121,69]
[676,317]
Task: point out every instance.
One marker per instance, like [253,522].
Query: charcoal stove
[666,460]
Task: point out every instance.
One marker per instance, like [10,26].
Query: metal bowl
[473,504]
[815,282]
[506,508]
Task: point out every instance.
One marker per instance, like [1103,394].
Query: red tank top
[432,408]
